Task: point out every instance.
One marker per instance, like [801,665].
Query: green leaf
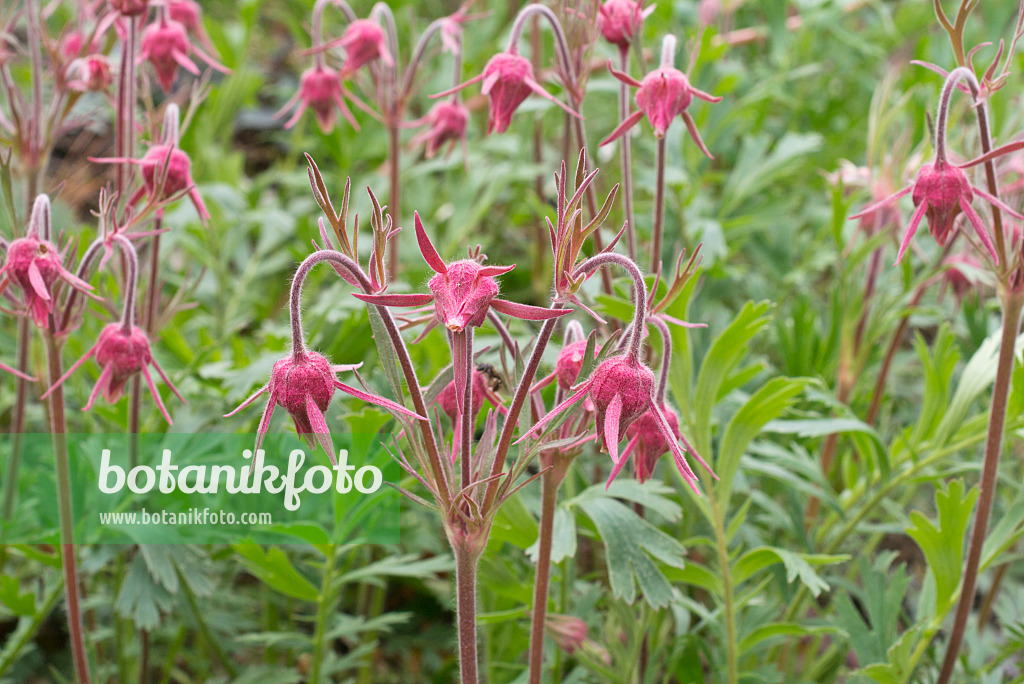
[943,544]
[798,565]
[777,629]
[774,397]
[20,604]
[141,598]
[275,570]
[630,545]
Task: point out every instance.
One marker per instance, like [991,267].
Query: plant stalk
[625,151]
[550,482]
[659,207]
[395,196]
[465,580]
[62,467]
[1011,305]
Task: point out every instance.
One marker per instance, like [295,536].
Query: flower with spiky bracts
[364,42]
[661,96]
[941,190]
[507,81]
[619,20]
[445,124]
[166,46]
[320,90]
[34,264]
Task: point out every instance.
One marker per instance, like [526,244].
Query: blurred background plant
[842,402]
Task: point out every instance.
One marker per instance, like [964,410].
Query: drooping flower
[647,443]
[303,384]
[189,14]
[568,365]
[320,89]
[34,264]
[507,81]
[130,8]
[165,45]
[619,21]
[363,41]
[483,389]
[623,389]
[121,352]
[567,631]
[90,73]
[664,94]
[445,123]
[462,292]
[166,171]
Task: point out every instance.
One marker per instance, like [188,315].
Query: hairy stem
[550,481]
[62,468]
[625,153]
[659,206]
[1011,305]
[395,181]
[465,595]
[636,332]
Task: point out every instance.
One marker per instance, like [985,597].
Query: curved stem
[132,284]
[417,56]
[639,293]
[83,267]
[58,429]
[561,42]
[666,357]
[397,343]
[625,152]
[659,206]
[1011,304]
[942,116]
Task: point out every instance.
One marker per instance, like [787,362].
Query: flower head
[165,45]
[619,21]
[940,193]
[130,8]
[303,384]
[189,14]
[166,171]
[507,81]
[91,73]
[567,631]
[121,351]
[320,89]
[664,94]
[462,292]
[623,390]
[363,41]
[484,385]
[35,265]
[445,123]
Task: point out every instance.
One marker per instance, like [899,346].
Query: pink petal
[185,62]
[624,126]
[995,201]
[457,88]
[622,76]
[677,452]
[395,299]
[156,395]
[555,411]
[16,372]
[915,221]
[611,427]
[268,413]
[492,271]
[526,311]
[379,401]
[101,384]
[69,371]
[167,381]
[885,202]
[35,278]
[253,397]
[622,461]
[979,228]
[691,126]
[319,425]
[707,97]
[427,249]
[537,88]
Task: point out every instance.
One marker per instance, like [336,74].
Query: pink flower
[303,384]
[568,365]
[121,353]
[320,89]
[462,291]
[940,192]
[166,46]
[189,14]
[619,21]
[664,94]
[622,389]
[568,632]
[35,265]
[507,81]
[363,41]
[647,443]
[92,73]
[168,164]
[483,388]
[446,123]
[15,372]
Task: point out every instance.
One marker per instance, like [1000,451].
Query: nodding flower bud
[485,382]
[619,21]
[570,362]
[187,13]
[320,89]
[296,383]
[363,42]
[567,631]
[91,73]
[165,45]
[621,389]
[35,265]
[446,123]
[130,8]
[651,442]
[463,294]
[940,188]
[121,352]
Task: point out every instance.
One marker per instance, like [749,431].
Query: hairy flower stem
[636,331]
[135,399]
[1012,302]
[395,180]
[659,206]
[462,345]
[62,468]
[17,418]
[551,480]
[397,343]
[625,153]
[465,596]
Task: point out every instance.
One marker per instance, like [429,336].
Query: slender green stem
[722,546]
[550,482]
[324,604]
[1011,304]
[62,468]
[465,595]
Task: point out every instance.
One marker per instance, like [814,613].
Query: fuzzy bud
[623,384]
